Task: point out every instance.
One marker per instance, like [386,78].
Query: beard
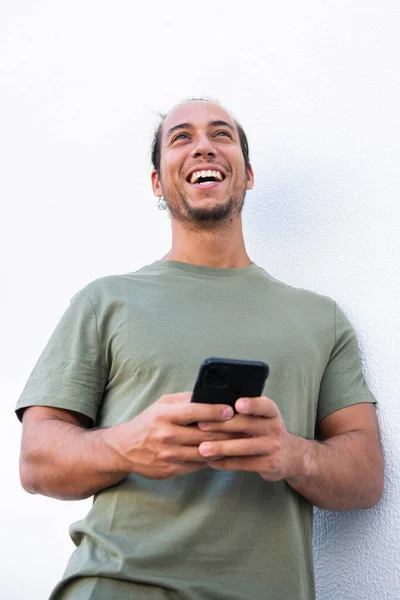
[206,218]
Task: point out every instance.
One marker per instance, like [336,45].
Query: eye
[223,132]
[180,136]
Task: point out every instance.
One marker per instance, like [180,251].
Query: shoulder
[109,288]
[111,295]
[301,300]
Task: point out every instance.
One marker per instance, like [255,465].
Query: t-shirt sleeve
[343,382]
[71,371]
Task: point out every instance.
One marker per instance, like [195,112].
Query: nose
[203,147]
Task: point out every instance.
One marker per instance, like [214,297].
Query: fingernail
[203,425]
[227,413]
[242,405]
[205,449]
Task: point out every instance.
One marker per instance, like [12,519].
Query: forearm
[70,463]
[342,473]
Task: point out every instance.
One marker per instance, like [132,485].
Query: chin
[206,212]
[216,213]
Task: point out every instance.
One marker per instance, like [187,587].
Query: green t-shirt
[125,341]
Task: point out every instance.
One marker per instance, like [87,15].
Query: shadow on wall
[293,213]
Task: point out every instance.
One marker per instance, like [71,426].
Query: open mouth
[205,177]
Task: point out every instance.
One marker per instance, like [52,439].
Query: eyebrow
[218,123]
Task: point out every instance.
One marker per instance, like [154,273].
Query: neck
[220,248]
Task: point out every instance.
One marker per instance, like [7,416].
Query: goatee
[205,218]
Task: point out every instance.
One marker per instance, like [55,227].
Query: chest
[157,342]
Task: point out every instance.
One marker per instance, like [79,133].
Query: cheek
[172,174]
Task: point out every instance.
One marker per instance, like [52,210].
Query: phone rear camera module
[216,376]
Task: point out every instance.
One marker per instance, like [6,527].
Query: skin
[342,469]
[157,444]
[213,242]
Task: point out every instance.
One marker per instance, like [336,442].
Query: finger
[246,424]
[192,436]
[260,406]
[183,454]
[191,412]
[251,464]
[177,398]
[240,447]
[179,435]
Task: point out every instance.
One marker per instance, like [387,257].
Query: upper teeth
[197,174]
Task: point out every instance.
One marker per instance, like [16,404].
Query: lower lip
[206,186]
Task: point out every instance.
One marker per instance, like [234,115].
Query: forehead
[198,113]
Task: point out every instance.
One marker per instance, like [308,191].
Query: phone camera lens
[216,376]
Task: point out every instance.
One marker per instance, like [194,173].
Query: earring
[161,205]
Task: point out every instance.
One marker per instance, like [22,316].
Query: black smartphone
[225,380]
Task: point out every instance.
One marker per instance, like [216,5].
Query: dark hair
[156,142]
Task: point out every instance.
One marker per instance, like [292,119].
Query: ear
[156,184]
[250,178]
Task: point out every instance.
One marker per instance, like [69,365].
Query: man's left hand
[263,444]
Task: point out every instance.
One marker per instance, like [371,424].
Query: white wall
[316,85]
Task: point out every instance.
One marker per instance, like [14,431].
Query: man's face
[202,172]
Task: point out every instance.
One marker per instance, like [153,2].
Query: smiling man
[223,509]
[205,192]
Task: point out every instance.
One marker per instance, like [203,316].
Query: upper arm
[343,384]
[358,417]
[35,414]
[360,422]
[71,373]
[43,439]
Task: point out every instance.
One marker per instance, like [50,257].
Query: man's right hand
[62,458]
[158,442]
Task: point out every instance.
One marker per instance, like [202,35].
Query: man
[223,509]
